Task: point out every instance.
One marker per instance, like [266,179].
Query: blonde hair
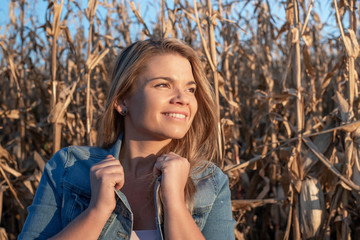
[199,143]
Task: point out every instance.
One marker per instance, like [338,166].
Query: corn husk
[311,208]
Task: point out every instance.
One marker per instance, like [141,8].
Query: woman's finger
[112,169]
[158,166]
[115,180]
[105,163]
[165,161]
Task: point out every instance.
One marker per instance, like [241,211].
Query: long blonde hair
[200,142]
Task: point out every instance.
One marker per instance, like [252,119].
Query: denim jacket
[64,192]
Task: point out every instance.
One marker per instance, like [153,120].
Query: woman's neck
[138,157]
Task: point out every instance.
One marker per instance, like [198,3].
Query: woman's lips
[175,115]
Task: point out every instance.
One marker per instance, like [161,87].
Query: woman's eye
[161,85]
[192,90]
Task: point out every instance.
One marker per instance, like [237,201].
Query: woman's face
[163,105]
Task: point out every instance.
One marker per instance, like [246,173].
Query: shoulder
[209,182]
[212,198]
[209,172]
[68,156]
[70,166]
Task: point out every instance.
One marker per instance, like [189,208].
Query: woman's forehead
[167,64]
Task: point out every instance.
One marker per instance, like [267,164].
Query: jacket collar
[115,149]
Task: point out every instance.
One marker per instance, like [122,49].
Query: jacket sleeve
[44,218]
[220,222]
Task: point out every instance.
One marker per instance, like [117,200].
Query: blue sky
[38,7]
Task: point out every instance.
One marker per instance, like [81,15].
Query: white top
[143,235]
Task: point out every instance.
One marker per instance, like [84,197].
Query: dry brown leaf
[356,167]
[330,166]
[91,9]
[322,142]
[290,13]
[56,19]
[2,190]
[11,114]
[246,164]
[40,161]
[351,44]
[28,185]
[170,23]
[345,112]
[55,116]
[308,40]
[309,67]
[3,235]
[94,59]
[69,39]
[10,170]
[251,203]
[265,190]
[138,16]
[351,127]
[5,154]
[223,93]
[12,190]
[11,12]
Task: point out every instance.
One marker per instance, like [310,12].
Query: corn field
[287,94]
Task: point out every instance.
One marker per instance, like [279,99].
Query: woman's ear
[120,107]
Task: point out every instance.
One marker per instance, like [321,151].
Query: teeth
[175,115]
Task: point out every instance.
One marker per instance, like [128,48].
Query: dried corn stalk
[280,83]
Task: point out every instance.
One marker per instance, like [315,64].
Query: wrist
[175,204]
[97,214]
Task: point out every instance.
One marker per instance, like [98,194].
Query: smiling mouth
[175,115]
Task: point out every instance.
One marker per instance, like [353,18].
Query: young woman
[151,176]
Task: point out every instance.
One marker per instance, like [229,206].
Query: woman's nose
[180,97]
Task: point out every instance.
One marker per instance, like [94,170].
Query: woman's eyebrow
[169,79]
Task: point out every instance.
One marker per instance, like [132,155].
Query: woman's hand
[178,223]
[104,177]
[175,172]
